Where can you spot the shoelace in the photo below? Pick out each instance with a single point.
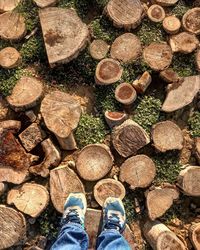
(113, 222)
(72, 216)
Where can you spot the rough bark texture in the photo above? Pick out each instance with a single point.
(45, 3)
(98, 49)
(194, 234)
(125, 93)
(197, 148)
(156, 13)
(169, 75)
(115, 118)
(166, 2)
(8, 5)
(142, 83)
(198, 60)
(171, 24)
(191, 21)
(9, 58)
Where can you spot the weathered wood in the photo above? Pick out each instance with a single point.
(198, 59)
(138, 171)
(94, 162)
(166, 2)
(115, 118)
(142, 83)
(3, 188)
(128, 138)
(191, 21)
(8, 5)
(125, 93)
(68, 143)
(65, 36)
(45, 3)
(197, 148)
(171, 24)
(194, 234)
(13, 125)
(98, 49)
(169, 75)
(156, 13)
(9, 58)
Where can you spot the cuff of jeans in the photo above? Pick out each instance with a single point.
(110, 230)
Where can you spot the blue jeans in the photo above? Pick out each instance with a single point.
(73, 237)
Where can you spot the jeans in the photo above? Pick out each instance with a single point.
(73, 237)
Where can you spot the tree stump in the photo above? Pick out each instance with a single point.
(198, 60)
(156, 13)
(171, 24)
(26, 94)
(138, 171)
(158, 56)
(65, 37)
(166, 2)
(194, 234)
(94, 162)
(183, 42)
(8, 5)
(181, 94)
(45, 3)
(115, 118)
(126, 48)
(160, 200)
(188, 180)
(169, 75)
(197, 148)
(142, 83)
(30, 198)
(12, 26)
(125, 14)
(10, 58)
(125, 93)
(98, 49)
(191, 21)
(108, 71)
(128, 138)
(63, 181)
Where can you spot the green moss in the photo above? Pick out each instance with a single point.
(194, 124)
(180, 8)
(128, 205)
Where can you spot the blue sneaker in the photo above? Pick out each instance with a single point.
(75, 209)
(114, 216)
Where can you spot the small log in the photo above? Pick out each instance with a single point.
(188, 180)
(3, 188)
(194, 234)
(8, 5)
(26, 94)
(98, 49)
(158, 56)
(115, 118)
(108, 71)
(171, 24)
(160, 200)
(13, 125)
(125, 14)
(68, 143)
(191, 21)
(125, 93)
(197, 148)
(198, 59)
(126, 48)
(31, 115)
(108, 188)
(138, 171)
(183, 42)
(142, 83)
(169, 75)
(30, 198)
(63, 181)
(10, 58)
(166, 136)
(12, 26)
(94, 162)
(166, 2)
(129, 137)
(12, 227)
(156, 13)
(45, 3)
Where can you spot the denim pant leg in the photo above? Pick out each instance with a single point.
(71, 237)
(112, 240)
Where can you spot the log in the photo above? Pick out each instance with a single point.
(12, 227)
(128, 138)
(169, 75)
(188, 181)
(126, 48)
(197, 148)
(183, 42)
(194, 234)
(63, 181)
(138, 171)
(198, 59)
(12, 125)
(125, 93)
(31, 115)
(171, 24)
(12, 26)
(65, 37)
(8, 5)
(94, 162)
(10, 58)
(68, 143)
(115, 118)
(45, 3)
(108, 71)
(191, 21)
(108, 188)
(166, 136)
(125, 14)
(166, 2)
(156, 13)
(26, 94)
(158, 56)
(181, 94)
(142, 83)
(3, 188)
(98, 49)
(160, 200)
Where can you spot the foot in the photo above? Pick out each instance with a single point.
(114, 216)
(75, 209)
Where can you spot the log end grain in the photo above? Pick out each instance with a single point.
(125, 93)
(9, 58)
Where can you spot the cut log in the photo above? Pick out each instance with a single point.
(171, 24)
(156, 13)
(197, 148)
(65, 37)
(183, 42)
(26, 94)
(142, 83)
(166, 136)
(188, 180)
(8, 5)
(98, 49)
(45, 3)
(128, 138)
(13, 125)
(160, 200)
(12, 227)
(108, 71)
(3, 188)
(10, 58)
(125, 93)
(158, 56)
(94, 162)
(169, 75)
(52, 159)
(166, 2)
(12, 26)
(108, 188)
(125, 14)
(198, 60)
(126, 48)
(181, 94)
(138, 171)
(115, 118)
(68, 143)
(194, 234)
(31, 115)
(63, 181)
(160, 237)
(191, 21)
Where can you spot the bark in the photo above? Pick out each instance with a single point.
(10, 58)
(45, 3)
(8, 5)
(191, 21)
(197, 148)
(98, 49)
(166, 2)
(198, 59)
(125, 93)
(115, 118)
(194, 234)
(156, 13)
(171, 24)
(142, 83)
(169, 75)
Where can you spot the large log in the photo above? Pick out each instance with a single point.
(9, 58)
(198, 59)
(156, 13)
(45, 3)
(166, 2)
(191, 21)
(115, 118)
(194, 234)
(8, 5)
(197, 148)
(125, 93)
(171, 24)
(98, 49)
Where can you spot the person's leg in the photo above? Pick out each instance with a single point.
(72, 235)
(114, 222)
